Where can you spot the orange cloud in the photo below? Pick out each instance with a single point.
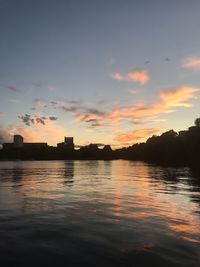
(177, 96)
(134, 136)
(139, 75)
(192, 63)
(169, 99)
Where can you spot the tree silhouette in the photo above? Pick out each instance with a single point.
(182, 148)
(197, 122)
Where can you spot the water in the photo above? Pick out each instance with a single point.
(98, 213)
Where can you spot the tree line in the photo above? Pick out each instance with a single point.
(170, 148)
(182, 148)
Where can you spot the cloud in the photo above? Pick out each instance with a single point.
(139, 75)
(41, 85)
(177, 96)
(13, 88)
(13, 100)
(136, 135)
(28, 120)
(168, 100)
(52, 118)
(72, 109)
(39, 103)
(109, 115)
(38, 84)
(134, 91)
(51, 88)
(94, 111)
(118, 77)
(39, 120)
(192, 63)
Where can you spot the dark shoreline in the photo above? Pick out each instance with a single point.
(172, 149)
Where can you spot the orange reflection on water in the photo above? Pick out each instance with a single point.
(121, 189)
(145, 200)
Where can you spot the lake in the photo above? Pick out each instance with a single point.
(98, 213)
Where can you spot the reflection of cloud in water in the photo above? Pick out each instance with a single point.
(154, 200)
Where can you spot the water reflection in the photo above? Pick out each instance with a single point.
(17, 176)
(69, 173)
(99, 213)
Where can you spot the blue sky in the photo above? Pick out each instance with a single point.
(106, 71)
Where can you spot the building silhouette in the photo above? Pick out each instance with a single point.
(68, 144)
(18, 142)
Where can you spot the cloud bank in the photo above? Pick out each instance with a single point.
(167, 102)
(108, 115)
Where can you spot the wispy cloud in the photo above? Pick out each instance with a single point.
(43, 85)
(136, 135)
(177, 96)
(168, 100)
(38, 84)
(51, 88)
(118, 77)
(13, 88)
(138, 75)
(39, 103)
(192, 63)
(13, 100)
(141, 112)
(29, 119)
(134, 91)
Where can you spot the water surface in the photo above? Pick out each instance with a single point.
(98, 213)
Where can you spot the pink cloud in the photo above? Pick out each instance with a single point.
(118, 77)
(139, 75)
(192, 63)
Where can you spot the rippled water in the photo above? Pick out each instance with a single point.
(98, 213)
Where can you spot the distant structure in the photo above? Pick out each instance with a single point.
(18, 142)
(68, 144)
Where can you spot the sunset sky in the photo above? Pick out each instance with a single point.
(104, 71)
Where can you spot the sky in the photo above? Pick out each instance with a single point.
(103, 71)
